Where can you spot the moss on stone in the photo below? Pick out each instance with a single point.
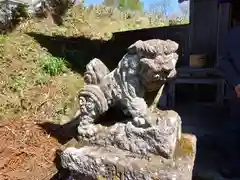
(104, 178)
(186, 146)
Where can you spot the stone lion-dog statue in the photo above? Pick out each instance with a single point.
(146, 67)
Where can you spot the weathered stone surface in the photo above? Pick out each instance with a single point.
(95, 162)
(145, 67)
(159, 139)
(95, 71)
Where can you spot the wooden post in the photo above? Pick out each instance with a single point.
(191, 18)
(223, 27)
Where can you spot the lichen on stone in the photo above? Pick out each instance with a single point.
(186, 146)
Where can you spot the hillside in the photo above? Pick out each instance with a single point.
(37, 86)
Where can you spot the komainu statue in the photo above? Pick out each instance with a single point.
(146, 67)
(149, 144)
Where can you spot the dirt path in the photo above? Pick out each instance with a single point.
(27, 152)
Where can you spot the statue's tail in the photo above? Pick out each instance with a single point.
(95, 71)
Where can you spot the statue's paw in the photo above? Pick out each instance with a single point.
(140, 122)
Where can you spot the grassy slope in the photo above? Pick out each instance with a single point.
(27, 90)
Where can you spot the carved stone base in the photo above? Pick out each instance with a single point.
(95, 162)
(159, 139)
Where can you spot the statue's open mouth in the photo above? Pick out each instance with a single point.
(152, 84)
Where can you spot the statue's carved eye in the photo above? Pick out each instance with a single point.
(82, 100)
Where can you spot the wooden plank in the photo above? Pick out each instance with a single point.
(219, 82)
(198, 80)
(198, 72)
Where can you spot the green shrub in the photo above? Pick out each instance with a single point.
(53, 66)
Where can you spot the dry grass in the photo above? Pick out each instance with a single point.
(26, 89)
(37, 87)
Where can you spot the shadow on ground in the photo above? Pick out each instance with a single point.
(202, 120)
(63, 133)
(79, 51)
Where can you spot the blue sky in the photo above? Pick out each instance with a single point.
(174, 3)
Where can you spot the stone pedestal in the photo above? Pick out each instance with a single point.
(98, 162)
